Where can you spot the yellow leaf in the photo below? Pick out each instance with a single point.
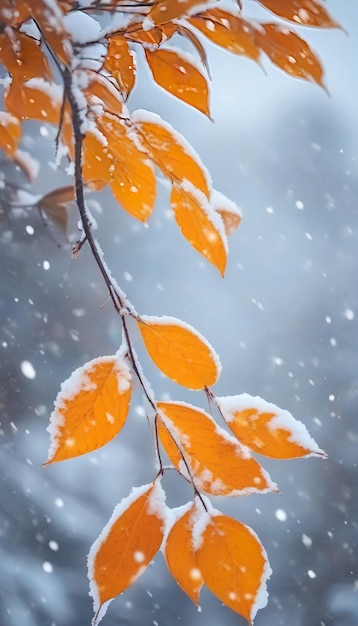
(180, 556)
(120, 63)
(217, 462)
(233, 564)
(10, 132)
(90, 409)
(266, 429)
(229, 212)
(180, 351)
(199, 223)
(303, 12)
(227, 31)
(127, 544)
(167, 10)
(177, 75)
(170, 151)
(290, 53)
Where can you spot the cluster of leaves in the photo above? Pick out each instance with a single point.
(65, 69)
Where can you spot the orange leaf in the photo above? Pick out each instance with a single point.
(180, 351)
(289, 52)
(97, 163)
(200, 225)
(134, 185)
(135, 33)
(229, 212)
(37, 99)
(233, 563)
(170, 151)
(22, 56)
(10, 133)
(168, 10)
(217, 462)
(173, 71)
(227, 31)
(49, 18)
(132, 178)
(126, 545)
(190, 36)
(13, 12)
(304, 12)
(100, 90)
(120, 63)
(266, 429)
(90, 409)
(179, 553)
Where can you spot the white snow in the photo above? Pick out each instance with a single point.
(47, 567)
(156, 504)
(201, 518)
(281, 515)
(81, 27)
(219, 201)
(28, 370)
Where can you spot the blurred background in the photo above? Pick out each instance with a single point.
(284, 321)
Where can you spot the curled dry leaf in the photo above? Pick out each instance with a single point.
(199, 223)
(90, 409)
(303, 12)
(180, 351)
(217, 462)
(233, 563)
(267, 429)
(180, 555)
(56, 204)
(126, 545)
(178, 75)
